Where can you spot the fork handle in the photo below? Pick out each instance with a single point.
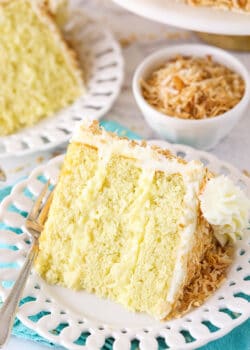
(9, 308)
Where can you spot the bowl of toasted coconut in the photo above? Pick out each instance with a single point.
(192, 94)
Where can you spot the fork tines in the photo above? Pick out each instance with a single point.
(40, 209)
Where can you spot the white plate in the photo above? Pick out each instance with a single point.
(201, 19)
(82, 312)
(101, 58)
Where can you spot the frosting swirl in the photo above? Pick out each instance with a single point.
(226, 208)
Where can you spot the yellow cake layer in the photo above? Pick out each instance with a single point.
(38, 72)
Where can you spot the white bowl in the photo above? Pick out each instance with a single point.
(204, 133)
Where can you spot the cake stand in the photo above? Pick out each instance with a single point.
(227, 29)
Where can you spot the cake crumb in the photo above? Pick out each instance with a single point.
(40, 159)
(55, 154)
(129, 40)
(246, 172)
(3, 176)
(19, 168)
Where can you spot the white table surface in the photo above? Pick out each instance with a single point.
(139, 37)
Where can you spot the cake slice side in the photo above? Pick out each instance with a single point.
(48, 12)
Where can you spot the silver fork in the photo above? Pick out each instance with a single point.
(34, 225)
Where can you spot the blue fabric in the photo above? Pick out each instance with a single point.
(238, 339)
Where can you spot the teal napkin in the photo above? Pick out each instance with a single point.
(238, 339)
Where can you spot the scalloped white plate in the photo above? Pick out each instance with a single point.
(179, 14)
(80, 312)
(101, 58)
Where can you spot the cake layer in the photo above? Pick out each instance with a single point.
(39, 74)
(122, 223)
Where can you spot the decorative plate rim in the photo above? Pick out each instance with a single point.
(147, 340)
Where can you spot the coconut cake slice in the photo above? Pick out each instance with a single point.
(39, 73)
(126, 224)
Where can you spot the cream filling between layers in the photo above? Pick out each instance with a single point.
(193, 173)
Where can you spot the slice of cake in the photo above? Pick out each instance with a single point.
(232, 5)
(125, 223)
(39, 73)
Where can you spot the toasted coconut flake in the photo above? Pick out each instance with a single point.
(193, 88)
(240, 5)
(246, 172)
(209, 276)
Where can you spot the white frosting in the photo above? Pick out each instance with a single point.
(192, 173)
(225, 207)
(189, 222)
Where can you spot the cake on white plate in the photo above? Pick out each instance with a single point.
(132, 223)
(39, 72)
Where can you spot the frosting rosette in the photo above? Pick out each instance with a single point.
(225, 206)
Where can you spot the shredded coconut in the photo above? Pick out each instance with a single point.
(227, 4)
(193, 88)
(209, 276)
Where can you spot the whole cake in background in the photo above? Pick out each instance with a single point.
(132, 223)
(233, 5)
(39, 73)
